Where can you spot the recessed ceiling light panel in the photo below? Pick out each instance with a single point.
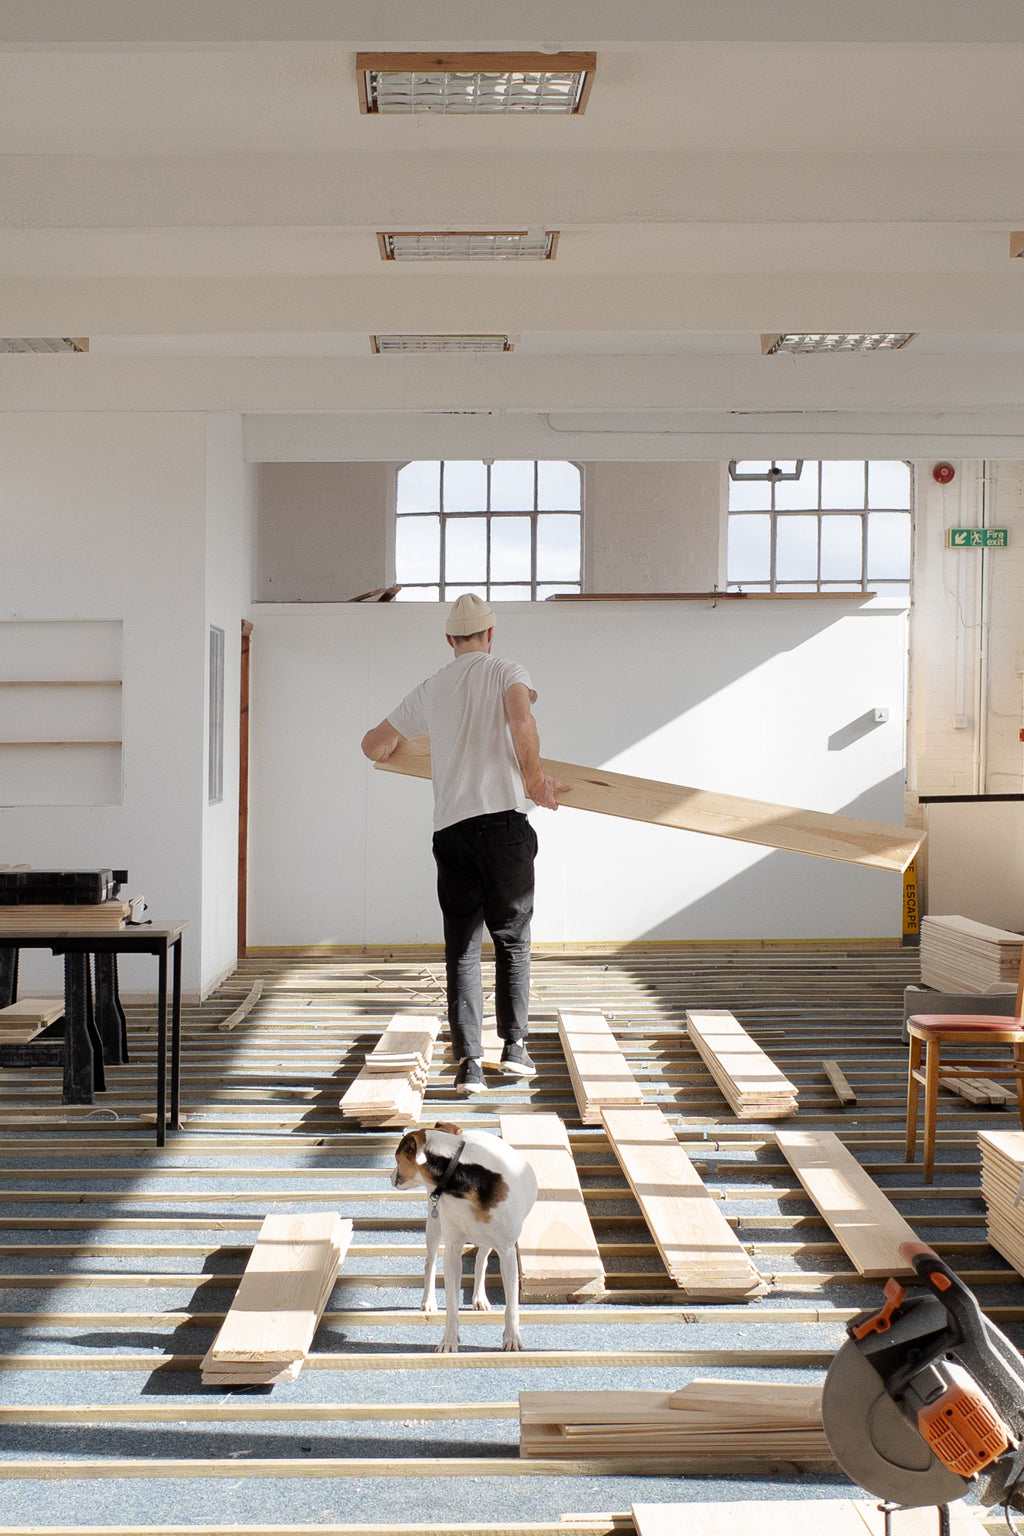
(858, 341)
(44, 344)
(441, 343)
(470, 245)
(475, 84)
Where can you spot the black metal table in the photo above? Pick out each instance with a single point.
(94, 1023)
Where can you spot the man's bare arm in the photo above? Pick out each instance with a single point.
(540, 786)
(380, 743)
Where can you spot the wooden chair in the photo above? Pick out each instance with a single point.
(929, 1032)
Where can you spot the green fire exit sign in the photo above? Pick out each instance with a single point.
(977, 538)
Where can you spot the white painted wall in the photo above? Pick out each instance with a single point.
(230, 514)
(103, 519)
(766, 700)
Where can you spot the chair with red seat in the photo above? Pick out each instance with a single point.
(929, 1032)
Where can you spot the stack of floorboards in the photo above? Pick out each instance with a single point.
(960, 955)
(46, 918)
(1002, 1177)
(751, 1083)
(598, 1070)
(699, 1249)
(20, 1022)
(287, 1283)
(717, 1422)
(390, 1086)
(558, 1254)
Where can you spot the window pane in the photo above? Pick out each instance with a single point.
(510, 549)
(418, 549)
(796, 549)
(796, 586)
(511, 594)
(549, 591)
(895, 592)
(750, 548)
(888, 483)
(465, 549)
(889, 545)
(798, 495)
(512, 485)
(419, 487)
(451, 593)
(465, 485)
(418, 595)
(749, 495)
(558, 487)
(841, 548)
(842, 483)
(558, 546)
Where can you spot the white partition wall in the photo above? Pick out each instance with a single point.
(773, 700)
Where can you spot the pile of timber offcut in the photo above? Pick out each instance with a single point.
(598, 1070)
(700, 1250)
(751, 1083)
(1002, 1183)
(389, 1088)
(718, 1422)
(45, 917)
(558, 1254)
(20, 1022)
(280, 1300)
(960, 955)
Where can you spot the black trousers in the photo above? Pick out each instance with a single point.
(485, 877)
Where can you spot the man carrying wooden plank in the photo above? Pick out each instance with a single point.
(485, 754)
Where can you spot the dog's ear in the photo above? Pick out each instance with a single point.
(447, 1127)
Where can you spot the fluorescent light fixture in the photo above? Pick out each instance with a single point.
(475, 84)
(441, 343)
(1017, 243)
(44, 344)
(469, 245)
(858, 341)
(771, 472)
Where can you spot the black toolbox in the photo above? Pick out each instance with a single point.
(59, 887)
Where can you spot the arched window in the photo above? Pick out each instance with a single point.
(828, 525)
(507, 529)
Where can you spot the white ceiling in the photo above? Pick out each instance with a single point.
(192, 186)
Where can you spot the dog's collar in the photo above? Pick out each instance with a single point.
(445, 1179)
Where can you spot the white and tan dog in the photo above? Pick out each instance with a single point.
(479, 1192)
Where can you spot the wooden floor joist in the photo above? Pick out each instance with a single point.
(699, 1249)
(870, 843)
(558, 1253)
(862, 1218)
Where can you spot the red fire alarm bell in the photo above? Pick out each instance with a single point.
(943, 473)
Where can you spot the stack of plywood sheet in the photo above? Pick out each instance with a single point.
(558, 1254)
(287, 1283)
(868, 1227)
(799, 1517)
(1002, 1182)
(700, 1250)
(598, 1070)
(389, 1088)
(751, 1083)
(960, 955)
(720, 1421)
(20, 1022)
(46, 918)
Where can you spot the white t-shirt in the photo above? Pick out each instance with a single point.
(462, 710)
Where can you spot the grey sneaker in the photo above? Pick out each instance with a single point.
(514, 1060)
(470, 1077)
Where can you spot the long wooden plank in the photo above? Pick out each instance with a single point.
(872, 843)
(796, 1517)
(281, 1295)
(558, 1252)
(599, 1072)
(701, 1251)
(869, 1228)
